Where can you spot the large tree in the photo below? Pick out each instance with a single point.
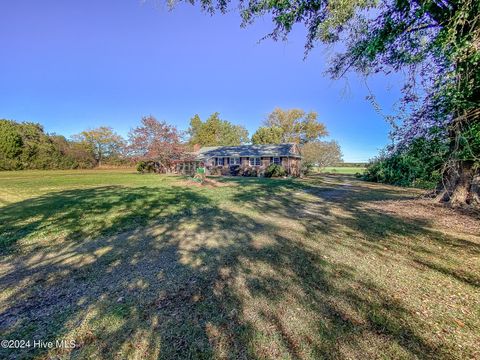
(321, 154)
(102, 142)
(10, 140)
(216, 132)
(268, 135)
(156, 141)
(296, 126)
(435, 42)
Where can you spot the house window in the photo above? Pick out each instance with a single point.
(254, 161)
(220, 161)
(234, 161)
(276, 160)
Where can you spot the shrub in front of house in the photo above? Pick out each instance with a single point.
(145, 166)
(214, 171)
(275, 170)
(225, 171)
(241, 170)
(307, 168)
(235, 170)
(248, 171)
(141, 165)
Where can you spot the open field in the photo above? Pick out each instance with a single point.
(345, 170)
(149, 266)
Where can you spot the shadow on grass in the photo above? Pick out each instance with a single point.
(174, 274)
(378, 230)
(78, 214)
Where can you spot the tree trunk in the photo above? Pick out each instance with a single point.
(460, 184)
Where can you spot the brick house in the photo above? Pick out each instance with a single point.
(235, 160)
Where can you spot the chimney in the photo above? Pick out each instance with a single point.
(196, 147)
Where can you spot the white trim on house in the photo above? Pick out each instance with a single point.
(256, 160)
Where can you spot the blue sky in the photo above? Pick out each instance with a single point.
(72, 65)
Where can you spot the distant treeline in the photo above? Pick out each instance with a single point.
(27, 146)
(351, 164)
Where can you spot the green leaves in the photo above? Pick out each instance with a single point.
(419, 165)
(268, 135)
(26, 146)
(216, 132)
(10, 140)
(102, 142)
(297, 126)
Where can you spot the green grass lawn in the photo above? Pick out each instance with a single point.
(345, 170)
(149, 266)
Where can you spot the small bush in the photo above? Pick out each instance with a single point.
(145, 166)
(275, 170)
(225, 171)
(141, 165)
(248, 171)
(150, 166)
(307, 168)
(235, 170)
(214, 171)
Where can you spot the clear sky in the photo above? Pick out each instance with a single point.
(72, 65)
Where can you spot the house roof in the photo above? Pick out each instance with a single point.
(247, 150)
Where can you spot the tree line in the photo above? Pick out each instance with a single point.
(27, 146)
